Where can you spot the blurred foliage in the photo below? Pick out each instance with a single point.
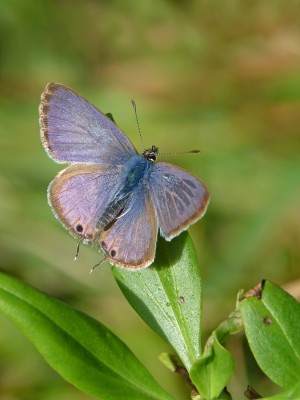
(219, 76)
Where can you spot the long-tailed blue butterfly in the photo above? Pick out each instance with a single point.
(110, 195)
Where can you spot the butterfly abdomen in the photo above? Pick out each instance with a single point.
(112, 212)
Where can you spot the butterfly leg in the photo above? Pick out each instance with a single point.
(97, 265)
(78, 248)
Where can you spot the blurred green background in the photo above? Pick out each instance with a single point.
(220, 76)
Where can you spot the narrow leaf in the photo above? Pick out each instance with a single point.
(212, 372)
(272, 325)
(81, 349)
(167, 296)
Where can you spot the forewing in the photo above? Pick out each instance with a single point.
(180, 198)
(131, 240)
(73, 130)
(80, 194)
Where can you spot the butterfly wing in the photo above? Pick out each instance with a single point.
(80, 194)
(180, 198)
(73, 130)
(131, 240)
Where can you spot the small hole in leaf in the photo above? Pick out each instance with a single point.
(267, 321)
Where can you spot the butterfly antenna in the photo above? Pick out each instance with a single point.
(181, 152)
(137, 121)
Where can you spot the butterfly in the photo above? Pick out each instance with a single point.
(110, 195)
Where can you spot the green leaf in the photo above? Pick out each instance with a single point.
(272, 325)
(81, 349)
(170, 361)
(167, 296)
(212, 372)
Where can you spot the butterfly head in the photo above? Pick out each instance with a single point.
(151, 154)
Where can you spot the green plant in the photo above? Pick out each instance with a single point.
(167, 296)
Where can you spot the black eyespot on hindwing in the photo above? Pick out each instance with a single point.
(113, 253)
(79, 228)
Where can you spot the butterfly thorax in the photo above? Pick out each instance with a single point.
(151, 154)
(134, 172)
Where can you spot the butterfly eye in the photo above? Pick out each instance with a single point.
(79, 228)
(151, 154)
